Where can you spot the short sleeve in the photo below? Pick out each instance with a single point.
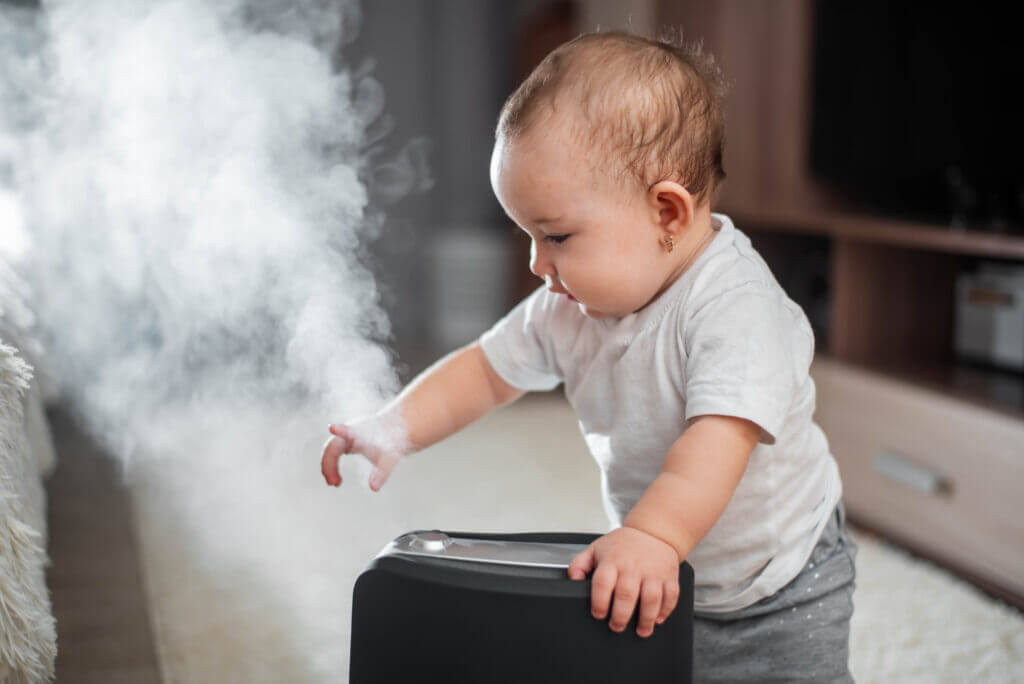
(519, 346)
(740, 359)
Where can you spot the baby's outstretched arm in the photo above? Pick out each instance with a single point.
(448, 396)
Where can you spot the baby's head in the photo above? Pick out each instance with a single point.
(609, 155)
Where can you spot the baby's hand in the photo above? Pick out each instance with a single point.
(634, 565)
(347, 440)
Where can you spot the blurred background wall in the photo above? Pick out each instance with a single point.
(445, 68)
(448, 261)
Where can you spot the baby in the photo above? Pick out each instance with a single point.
(683, 358)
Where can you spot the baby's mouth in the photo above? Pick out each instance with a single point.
(564, 292)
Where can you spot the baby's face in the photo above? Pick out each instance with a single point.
(597, 244)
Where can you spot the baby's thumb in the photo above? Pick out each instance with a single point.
(384, 464)
(582, 564)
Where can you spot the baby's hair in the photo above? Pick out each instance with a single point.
(653, 108)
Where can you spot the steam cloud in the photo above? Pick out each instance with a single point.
(183, 185)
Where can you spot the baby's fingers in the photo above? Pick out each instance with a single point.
(650, 605)
(582, 564)
(341, 431)
(668, 601)
(602, 584)
(333, 449)
(627, 591)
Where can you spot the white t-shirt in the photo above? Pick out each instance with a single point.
(723, 339)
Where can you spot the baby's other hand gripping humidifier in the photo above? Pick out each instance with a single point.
(439, 606)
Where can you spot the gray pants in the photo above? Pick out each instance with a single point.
(800, 634)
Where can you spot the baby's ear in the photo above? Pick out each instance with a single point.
(672, 204)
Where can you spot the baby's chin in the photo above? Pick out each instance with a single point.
(592, 313)
(597, 314)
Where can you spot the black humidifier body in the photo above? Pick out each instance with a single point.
(439, 606)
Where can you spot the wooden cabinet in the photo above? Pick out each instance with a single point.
(930, 449)
(934, 471)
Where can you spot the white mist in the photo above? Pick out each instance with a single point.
(181, 184)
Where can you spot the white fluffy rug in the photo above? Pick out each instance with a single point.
(914, 622)
(264, 615)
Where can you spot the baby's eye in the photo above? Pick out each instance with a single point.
(557, 239)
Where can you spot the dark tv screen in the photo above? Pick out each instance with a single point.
(917, 110)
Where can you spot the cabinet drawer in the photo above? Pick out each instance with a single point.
(943, 473)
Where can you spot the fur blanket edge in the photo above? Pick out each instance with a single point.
(28, 637)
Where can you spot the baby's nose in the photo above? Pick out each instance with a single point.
(539, 266)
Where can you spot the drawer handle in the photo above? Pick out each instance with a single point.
(914, 475)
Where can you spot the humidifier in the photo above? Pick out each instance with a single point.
(437, 606)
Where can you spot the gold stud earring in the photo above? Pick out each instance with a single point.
(668, 242)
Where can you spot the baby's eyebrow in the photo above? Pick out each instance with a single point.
(539, 221)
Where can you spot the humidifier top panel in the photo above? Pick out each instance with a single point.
(441, 546)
